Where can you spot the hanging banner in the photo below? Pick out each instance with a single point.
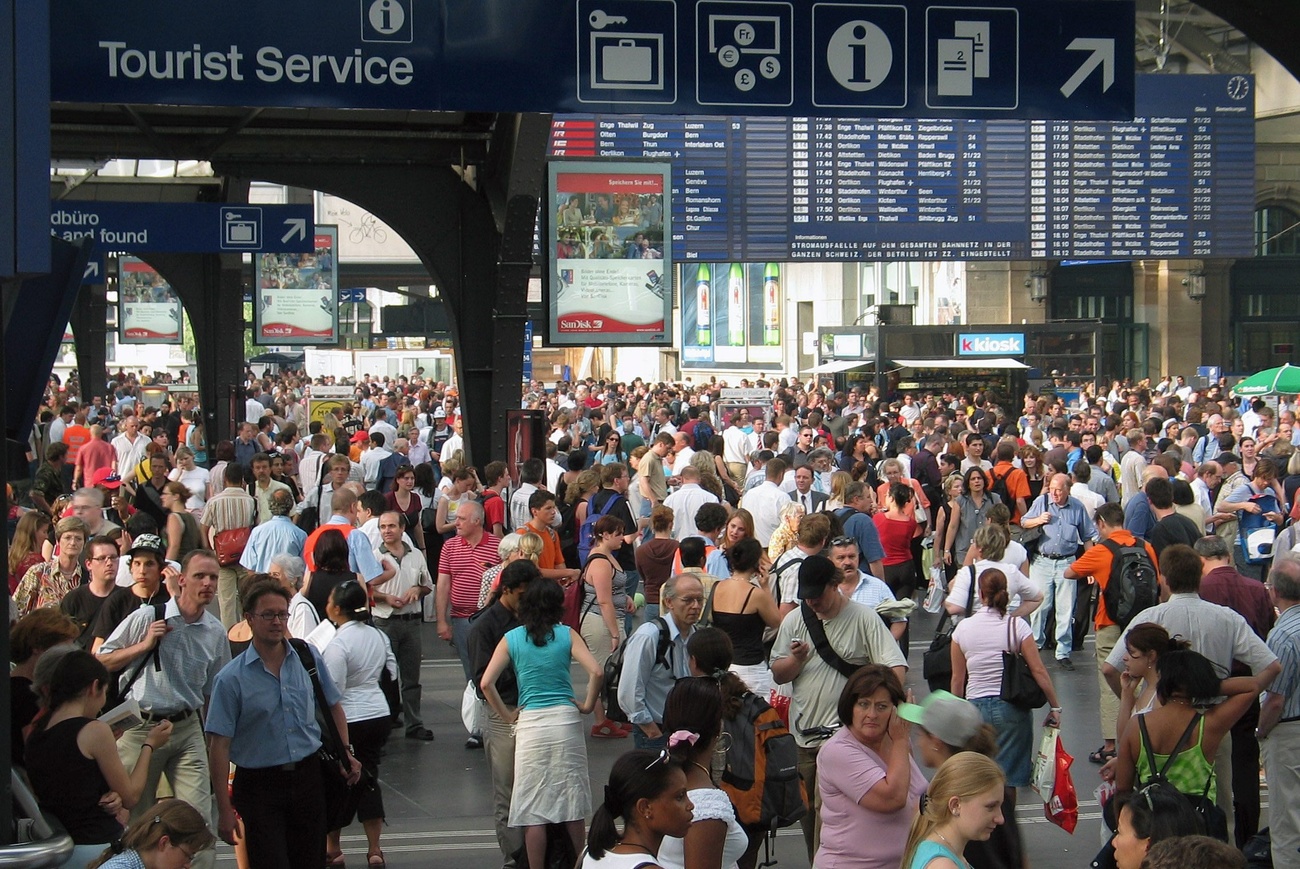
(296, 301)
(149, 311)
(609, 277)
(731, 315)
(324, 400)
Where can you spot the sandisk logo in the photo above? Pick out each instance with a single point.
(984, 345)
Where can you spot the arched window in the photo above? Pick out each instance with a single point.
(1277, 231)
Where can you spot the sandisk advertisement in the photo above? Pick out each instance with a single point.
(609, 270)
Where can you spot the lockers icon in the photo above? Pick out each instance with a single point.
(627, 61)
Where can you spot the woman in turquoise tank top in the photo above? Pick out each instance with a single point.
(551, 777)
(963, 805)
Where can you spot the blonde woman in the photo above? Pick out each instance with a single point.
(182, 532)
(839, 482)
(786, 531)
(964, 806)
(513, 547)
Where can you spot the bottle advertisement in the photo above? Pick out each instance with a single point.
(732, 317)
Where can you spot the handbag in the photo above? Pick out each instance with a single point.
(936, 663)
(1019, 688)
(229, 545)
(340, 797)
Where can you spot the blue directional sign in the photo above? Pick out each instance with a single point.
(184, 227)
(1042, 59)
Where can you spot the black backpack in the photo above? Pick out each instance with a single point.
(999, 488)
(1133, 583)
(776, 577)
(614, 671)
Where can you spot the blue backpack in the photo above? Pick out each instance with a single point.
(585, 531)
(1255, 533)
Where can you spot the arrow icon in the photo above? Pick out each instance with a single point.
(298, 226)
(92, 270)
(1103, 55)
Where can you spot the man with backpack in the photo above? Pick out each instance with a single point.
(652, 659)
(818, 646)
(1098, 565)
(611, 499)
(1220, 634)
(1009, 482)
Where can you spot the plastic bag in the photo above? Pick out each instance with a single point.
(1063, 808)
(470, 711)
(1044, 777)
(781, 703)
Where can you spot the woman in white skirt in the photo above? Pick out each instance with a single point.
(552, 785)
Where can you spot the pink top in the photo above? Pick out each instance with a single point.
(983, 638)
(846, 770)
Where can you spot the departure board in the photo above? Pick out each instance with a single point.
(1177, 181)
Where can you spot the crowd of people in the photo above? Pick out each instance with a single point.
(698, 561)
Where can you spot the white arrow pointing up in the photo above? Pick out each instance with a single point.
(1103, 55)
(297, 226)
(92, 270)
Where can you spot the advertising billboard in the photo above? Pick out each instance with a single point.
(296, 301)
(732, 315)
(609, 274)
(149, 311)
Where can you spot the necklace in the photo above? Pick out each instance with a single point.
(950, 847)
(642, 848)
(708, 772)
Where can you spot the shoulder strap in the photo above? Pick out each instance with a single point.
(663, 646)
(707, 615)
(1178, 746)
(309, 664)
(817, 631)
(155, 655)
(745, 603)
(970, 594)
(609, 504)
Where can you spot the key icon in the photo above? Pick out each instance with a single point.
(599, 20)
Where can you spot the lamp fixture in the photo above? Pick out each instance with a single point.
(1037, 284)
(1195, 283)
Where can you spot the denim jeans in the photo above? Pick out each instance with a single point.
(1059, 594)
(1015, 729)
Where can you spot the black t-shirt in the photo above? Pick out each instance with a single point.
(83, 607)
(1174, 528)
(120, 604)
(625, 554)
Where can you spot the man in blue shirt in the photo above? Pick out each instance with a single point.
(262, 716)
(275, 536)
(1066, 526)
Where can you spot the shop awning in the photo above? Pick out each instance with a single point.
(1009, 364)
(839, 365)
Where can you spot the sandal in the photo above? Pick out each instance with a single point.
(372, 857)
(1101, 755)
(335, 861)
(608, 730)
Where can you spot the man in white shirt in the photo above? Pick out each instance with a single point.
(454, 443)
(735, 445)
(311, 466)
(130, 447)
(682, 452)
(371, 458)
(1207, 477)
(1080, 490)
(764, 501)
(253, 409)
(379, 423)
(1131, 466)
(685, 501)
(398, 613)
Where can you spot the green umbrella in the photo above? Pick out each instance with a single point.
(1274, 381)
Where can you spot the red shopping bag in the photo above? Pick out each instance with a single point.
(1063, 807)
(781, 703)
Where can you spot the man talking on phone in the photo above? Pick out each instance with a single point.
(817, 647)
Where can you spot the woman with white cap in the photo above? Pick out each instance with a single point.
(947, 725)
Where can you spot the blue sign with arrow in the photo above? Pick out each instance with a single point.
(1043, 59)
(184, 227)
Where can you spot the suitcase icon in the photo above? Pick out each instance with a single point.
(627, 62)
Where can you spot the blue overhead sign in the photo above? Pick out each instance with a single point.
(1046, 59)
(185, 227)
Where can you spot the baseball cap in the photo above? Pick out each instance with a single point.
(107, 478)
(1227, 458)
(815, 573)
(438, 412)
(148, 543)
(360, 437)
(952, 720)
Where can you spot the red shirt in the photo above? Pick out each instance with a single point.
(494, 510)
(465, 565)
(895, 537)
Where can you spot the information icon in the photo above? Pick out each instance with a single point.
(859, 55)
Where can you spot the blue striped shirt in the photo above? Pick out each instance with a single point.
(1284, 641)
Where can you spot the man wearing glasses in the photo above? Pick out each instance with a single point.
(656, 657)
(84, 602)
(263, 717)
(172, 663)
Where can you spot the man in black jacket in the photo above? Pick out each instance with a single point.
(485, 632)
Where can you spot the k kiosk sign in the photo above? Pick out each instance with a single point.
(991, 344)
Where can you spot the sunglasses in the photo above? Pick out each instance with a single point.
(844, 541)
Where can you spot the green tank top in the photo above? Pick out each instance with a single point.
(1191, 773)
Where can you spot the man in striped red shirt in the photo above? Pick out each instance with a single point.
(460, 576)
